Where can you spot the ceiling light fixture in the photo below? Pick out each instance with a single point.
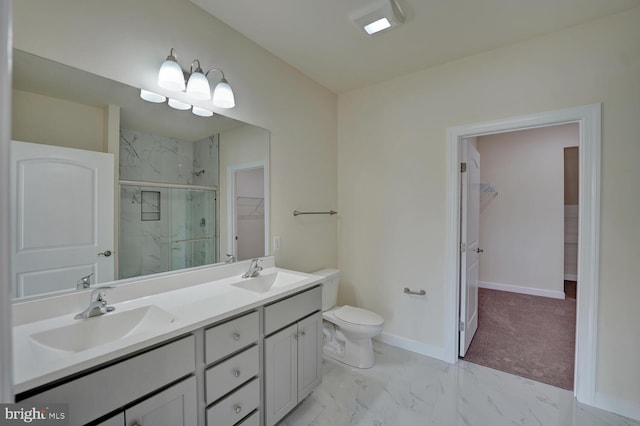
(172, 77)
(377, 17)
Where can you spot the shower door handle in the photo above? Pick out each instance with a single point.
(105, 253)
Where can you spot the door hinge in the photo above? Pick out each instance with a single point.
(463, 247)
(460, 325)
(463, 167)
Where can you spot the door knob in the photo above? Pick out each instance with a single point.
(105, 253)
(479, 250)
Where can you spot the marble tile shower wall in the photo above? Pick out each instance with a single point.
(143, 246)
(205, 157)
(151, 246)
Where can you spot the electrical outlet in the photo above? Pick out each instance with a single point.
(276, 243)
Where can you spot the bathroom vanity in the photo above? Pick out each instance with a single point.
(230, 351)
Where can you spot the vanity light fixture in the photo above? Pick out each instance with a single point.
(195, 82)
(198, 85)
(176, 104)
(170, 76)
(378, 16)
(222, 94)
(201, 112)
(152, 97)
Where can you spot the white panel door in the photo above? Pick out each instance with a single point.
(469, 246)
(61, 217)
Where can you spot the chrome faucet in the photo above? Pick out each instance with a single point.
(97, 304)
(254, 269)
(84, 282)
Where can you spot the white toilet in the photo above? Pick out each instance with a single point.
(347, 330)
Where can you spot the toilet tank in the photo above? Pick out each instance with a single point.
(330, 287)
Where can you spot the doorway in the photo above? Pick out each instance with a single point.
(525, 326)
(247, 212)
(588, 119)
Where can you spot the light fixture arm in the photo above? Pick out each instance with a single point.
(198, 68)
(215, 69)
(172, 56)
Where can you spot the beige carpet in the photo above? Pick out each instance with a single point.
(529, 336)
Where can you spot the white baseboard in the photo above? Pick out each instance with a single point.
(616, 405)
(570, 277)
(412, 345)
(523, 290)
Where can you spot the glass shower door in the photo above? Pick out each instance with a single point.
(165, 229)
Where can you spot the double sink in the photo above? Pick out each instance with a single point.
(84, 334)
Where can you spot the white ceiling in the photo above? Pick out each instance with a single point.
(317, 37)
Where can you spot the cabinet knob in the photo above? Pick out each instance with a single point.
(236, 336)
(236, 372)
(237, 408)
(135, 424)
(302, 333)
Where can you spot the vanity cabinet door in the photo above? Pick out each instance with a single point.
(175, 406)
(309, 354)
(281, 373)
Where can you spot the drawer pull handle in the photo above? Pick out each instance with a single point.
(237, 408)
(236, 336)
(236, 372)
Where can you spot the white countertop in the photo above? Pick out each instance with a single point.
(191, 307)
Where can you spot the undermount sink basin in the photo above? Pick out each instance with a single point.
(95, 331)
(265, 282)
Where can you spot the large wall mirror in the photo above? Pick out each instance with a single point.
(106, 186)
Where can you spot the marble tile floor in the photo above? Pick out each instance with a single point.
(408, 389)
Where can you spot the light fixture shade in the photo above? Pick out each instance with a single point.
(377, 26)
(198, 86)
(201, 111)
(223, 95)
(378, 16)
(170, 76)
(152, 97)
(176, 104)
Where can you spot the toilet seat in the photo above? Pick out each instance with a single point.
(358, 316)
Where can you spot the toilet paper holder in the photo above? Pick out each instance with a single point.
(416, 293)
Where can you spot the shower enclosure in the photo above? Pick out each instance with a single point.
(168, 203)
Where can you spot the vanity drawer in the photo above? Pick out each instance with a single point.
(230, 336)
(290, 310)
(110, 388)
(224, 377)
(236, 406)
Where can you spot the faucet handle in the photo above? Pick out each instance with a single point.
(99, 293)
(84, 282)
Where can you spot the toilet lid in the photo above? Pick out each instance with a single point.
(358, 316)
